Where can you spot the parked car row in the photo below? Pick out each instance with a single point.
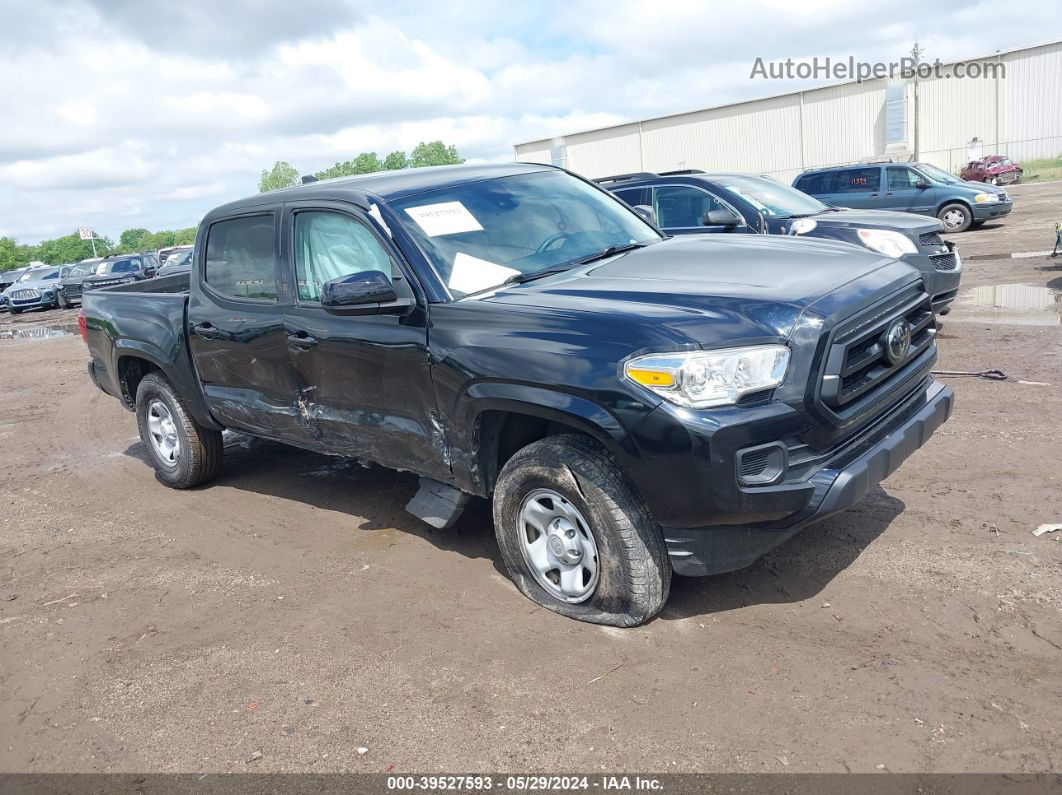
(61, 286)
(693, 202)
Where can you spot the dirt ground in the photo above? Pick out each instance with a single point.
(292, 617)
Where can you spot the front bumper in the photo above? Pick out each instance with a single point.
(941, 270)
(841, 483)
(984, 212)
(46, 300)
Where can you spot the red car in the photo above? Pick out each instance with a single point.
(997, 169)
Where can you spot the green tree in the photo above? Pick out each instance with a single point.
(434, 153)
(281, 175)
(157, 240)
(185, 237)
(9, 254)
(70, 248)
(395, 161)
(130, 239)
(365, 163)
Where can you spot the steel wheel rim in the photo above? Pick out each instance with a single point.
(162, 431)
(953, 219)
(558, 546)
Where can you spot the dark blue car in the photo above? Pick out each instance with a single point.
(692, 202)
(908, 187)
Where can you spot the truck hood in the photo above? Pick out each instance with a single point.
(37, 284)
(714, 290)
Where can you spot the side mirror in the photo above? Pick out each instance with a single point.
(720, 218)
(646, 212)
(922, 184)
(366, 293)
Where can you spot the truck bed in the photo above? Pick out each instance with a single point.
(177, 283)
(144, 320)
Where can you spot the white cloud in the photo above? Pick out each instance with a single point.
(147, 113)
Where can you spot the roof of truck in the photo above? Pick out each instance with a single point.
(388, 185)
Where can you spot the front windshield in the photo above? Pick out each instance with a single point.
(178, 259)
(39, 276)
(480, 234)
(771, 198)
(83, 269)
(937, 174)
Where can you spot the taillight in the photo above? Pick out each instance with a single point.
(82, 325)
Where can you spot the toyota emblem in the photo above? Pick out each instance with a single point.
(898, 341)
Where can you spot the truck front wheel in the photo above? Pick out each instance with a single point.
(576, 537)
(183, 452)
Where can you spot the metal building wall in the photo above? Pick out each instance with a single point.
(1032, 102)
(1019, 115)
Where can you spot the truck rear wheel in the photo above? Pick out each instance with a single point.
(183, 452)
(576, 537)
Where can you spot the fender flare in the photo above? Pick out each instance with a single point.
(552, 405)
(188, 388)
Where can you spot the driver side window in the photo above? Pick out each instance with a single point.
(681, 206)
(330, 245)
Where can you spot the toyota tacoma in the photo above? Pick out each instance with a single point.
(632, 405)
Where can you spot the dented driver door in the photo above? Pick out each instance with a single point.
(365, 385)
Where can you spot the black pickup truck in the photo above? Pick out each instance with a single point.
(633, 405)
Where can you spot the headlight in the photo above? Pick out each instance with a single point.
(891, 244)
(986, 198)
(699, 379)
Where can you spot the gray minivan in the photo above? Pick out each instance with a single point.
(907, 187)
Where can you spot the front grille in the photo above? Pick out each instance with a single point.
(944, 262)
(105, 283)
(930, 239)
(860, 365)
(25, 295)
(71, 290)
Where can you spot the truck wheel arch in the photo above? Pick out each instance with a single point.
(503, 426)
(131, 370)
(132, 364)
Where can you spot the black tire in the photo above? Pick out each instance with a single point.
(967, 217)
(201, 448)
(634, 573)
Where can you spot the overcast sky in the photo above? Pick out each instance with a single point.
(123, 113)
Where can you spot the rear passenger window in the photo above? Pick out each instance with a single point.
(816, 184)
(858, 180)
(241, 258)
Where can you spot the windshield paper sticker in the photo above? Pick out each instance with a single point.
(446, 218)
(470, 273)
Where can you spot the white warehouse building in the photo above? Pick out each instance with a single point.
(1016, 111)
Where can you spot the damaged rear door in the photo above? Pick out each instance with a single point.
(364, 381)
(236, 328)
